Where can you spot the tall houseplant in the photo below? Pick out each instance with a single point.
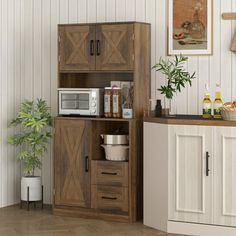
(177, 78)
(34, 119)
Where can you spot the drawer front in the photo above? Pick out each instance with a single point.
(114, 199)
(110, 173)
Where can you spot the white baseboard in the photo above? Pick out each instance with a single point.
(200, 229)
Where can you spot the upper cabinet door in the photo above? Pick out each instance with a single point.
(72, 176)
(225, 176)
(114, 47)
(190, 183)
(77, 48)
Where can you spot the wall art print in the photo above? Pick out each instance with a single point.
(190, 27)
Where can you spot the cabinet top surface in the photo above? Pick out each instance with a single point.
(107, 23)
(189, 120)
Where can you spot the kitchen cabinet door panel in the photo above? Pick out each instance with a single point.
(190, 187)
(225, 176)
(114, 47)
(77, 48)
(72, 179)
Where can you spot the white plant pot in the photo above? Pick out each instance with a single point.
(35, 188)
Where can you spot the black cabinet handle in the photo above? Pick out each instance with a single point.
(86, 164)
(207, 163)
(109, 198)
(98, 48)
(91, 47)
(108, 173)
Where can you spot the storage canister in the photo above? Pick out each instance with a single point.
(117, 103)
(108, 102)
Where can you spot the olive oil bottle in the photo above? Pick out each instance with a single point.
(207, 105)
(217, 103)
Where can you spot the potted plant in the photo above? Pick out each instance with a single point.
(177, 78)
(34, 119)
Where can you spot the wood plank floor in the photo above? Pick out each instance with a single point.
(36, 222)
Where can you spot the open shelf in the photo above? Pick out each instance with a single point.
(102, 127)
(92, 80)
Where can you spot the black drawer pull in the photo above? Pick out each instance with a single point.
(108, 173)
(98, 48)
(91, 47)
(109, 198)
(207, 163)
(86, 164)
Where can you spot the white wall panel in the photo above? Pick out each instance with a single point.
(92, 10)
(120, 10)
(226, 55)
(130, 9)
(28, 62)
(4, 94)
(110, 10)
(101, 11)
(73, 11)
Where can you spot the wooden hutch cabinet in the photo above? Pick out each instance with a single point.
(104, 47)
(85, 184)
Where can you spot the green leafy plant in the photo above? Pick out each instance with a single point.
(176, 75)
(34, 119)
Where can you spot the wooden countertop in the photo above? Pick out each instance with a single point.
(189, 120)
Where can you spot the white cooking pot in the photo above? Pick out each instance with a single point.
(116, 152)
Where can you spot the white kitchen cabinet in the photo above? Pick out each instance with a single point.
(190, 183)
(225, 176)
(190, 178)
(155, 186)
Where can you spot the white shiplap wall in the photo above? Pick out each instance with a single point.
(28, 62)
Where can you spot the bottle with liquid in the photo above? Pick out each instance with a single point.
(217, 103)
(207, 105)
(158, 109)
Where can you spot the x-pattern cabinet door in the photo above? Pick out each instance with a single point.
(191, 173)
(71, 177)
(76, 47)
(114, 47)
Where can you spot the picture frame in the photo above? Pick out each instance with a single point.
(190, 27)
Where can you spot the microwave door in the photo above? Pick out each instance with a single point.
(83, 103)
(68, 103)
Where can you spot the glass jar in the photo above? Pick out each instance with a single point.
(197, 28)
(108, 102)
(170, 106)
(116, 103)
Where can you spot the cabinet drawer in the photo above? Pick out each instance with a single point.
(110, 173)
(110, 198)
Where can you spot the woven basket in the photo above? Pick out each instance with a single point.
(228, 113)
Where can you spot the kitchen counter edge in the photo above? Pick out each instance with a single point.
(189, 120)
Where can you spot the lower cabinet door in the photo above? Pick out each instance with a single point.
(190, 172)
(71, 163)
(225, 176)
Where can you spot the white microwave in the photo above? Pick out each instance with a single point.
(80, 101)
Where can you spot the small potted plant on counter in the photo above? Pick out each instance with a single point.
(177, 78)
(34, 119)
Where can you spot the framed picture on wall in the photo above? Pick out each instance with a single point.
(190, 27)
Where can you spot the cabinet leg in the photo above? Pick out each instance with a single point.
(42, 197)
(28, 198)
